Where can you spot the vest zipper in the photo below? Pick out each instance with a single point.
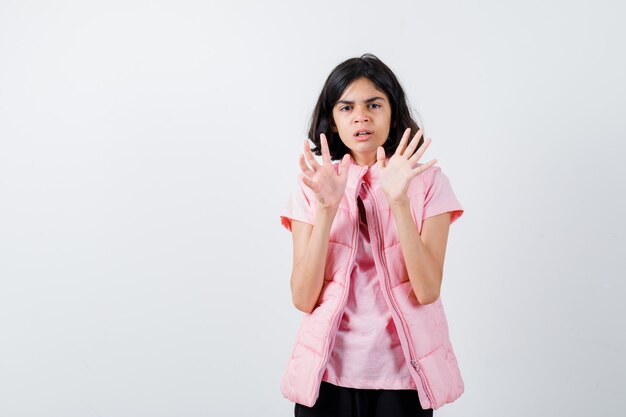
(387, 287)
(346, 291)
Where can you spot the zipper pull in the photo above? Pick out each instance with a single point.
(415, 364)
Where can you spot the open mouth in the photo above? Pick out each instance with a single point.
(362, 134)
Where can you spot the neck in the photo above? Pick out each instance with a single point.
(358, 160)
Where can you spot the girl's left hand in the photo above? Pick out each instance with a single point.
(398, 173)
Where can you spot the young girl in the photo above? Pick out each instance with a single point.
(369, 239)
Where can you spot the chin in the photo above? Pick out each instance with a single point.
(363, 146)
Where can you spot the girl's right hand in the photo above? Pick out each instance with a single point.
(328, 187)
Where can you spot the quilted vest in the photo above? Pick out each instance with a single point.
(422, 329)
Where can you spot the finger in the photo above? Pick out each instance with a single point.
(309, 183)
(413, 145)
(304, 167)
(402, 143)
(422, 168)
(325, 151)
(380, 156)
(345, 165)
(420, 151)
(308, 155)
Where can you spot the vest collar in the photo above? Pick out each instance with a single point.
(357, 172)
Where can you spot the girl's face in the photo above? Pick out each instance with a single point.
(362, 117)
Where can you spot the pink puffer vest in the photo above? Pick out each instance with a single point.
(422, 329)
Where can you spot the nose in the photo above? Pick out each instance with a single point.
(360, 115)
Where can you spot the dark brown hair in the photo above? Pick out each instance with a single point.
(372, 68)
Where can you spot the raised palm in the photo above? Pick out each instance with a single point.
(328, 186)
(400, 170)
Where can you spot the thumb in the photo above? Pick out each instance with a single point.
(380, 156)
(345, 165)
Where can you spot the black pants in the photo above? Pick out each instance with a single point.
(337, 401)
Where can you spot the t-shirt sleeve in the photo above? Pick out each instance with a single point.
(298, 206)
(440, 197)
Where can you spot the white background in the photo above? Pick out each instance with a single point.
(147, 147)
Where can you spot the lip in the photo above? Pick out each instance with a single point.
(362, 138)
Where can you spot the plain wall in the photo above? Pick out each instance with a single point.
(147, 147)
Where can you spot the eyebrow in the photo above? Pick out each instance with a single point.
(369, 100)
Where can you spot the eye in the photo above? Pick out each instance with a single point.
(375, 104)
(344, 108)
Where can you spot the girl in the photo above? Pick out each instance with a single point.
(369, 239)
